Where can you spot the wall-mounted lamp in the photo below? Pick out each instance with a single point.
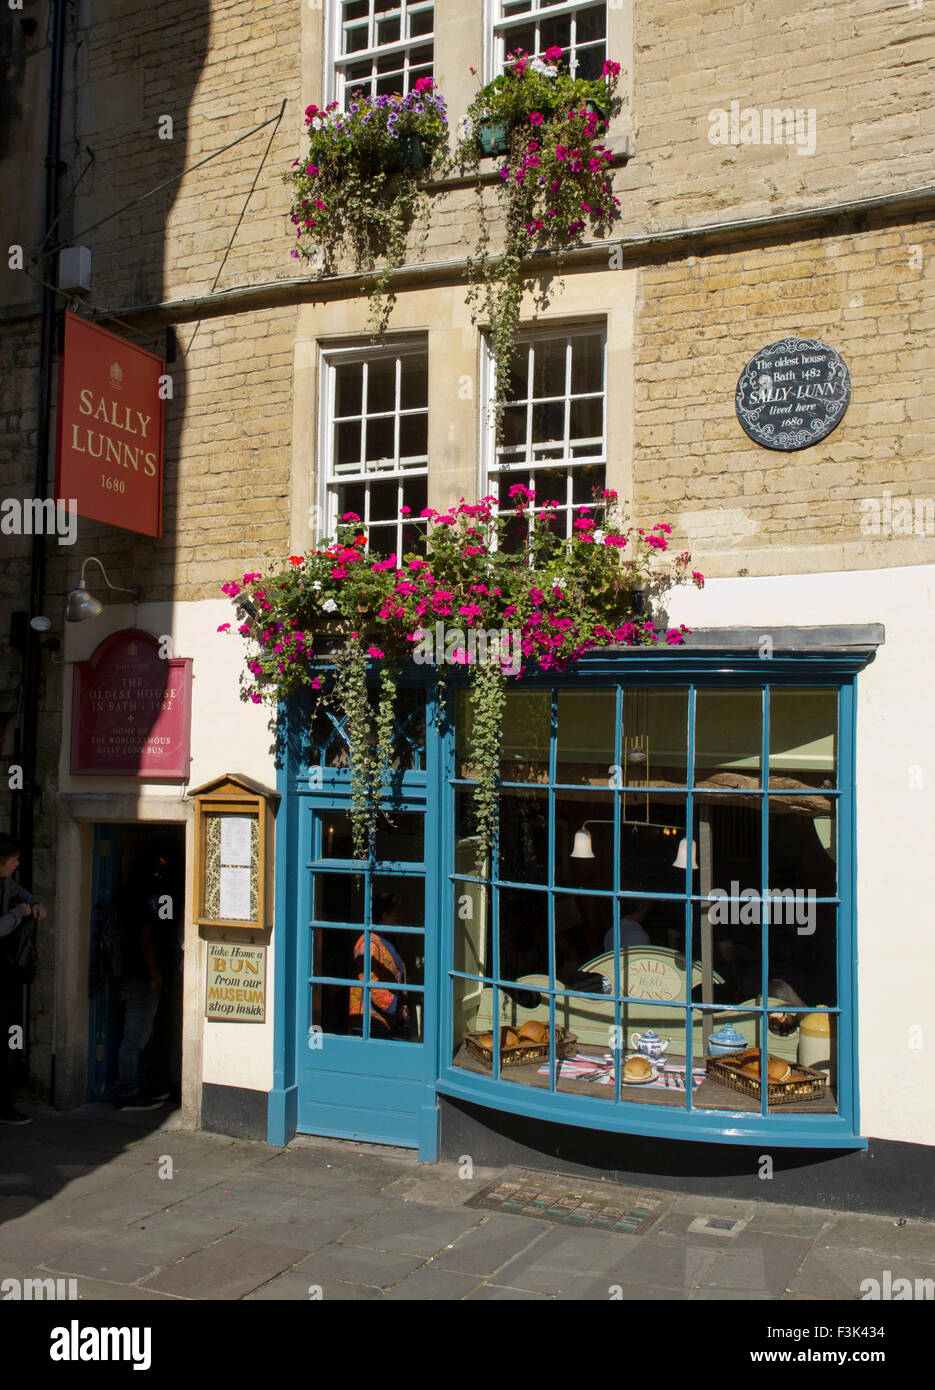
(245, 605)
(82, 605)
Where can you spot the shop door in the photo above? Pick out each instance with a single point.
(119, 853)
(363, 1069)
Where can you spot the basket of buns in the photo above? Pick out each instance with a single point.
(530, 1043)
(786, 1082)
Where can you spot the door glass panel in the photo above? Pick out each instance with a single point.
(398, 901)
(339, 898)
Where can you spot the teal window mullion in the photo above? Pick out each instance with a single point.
(689, 943)
(550, 876)
(764, 925)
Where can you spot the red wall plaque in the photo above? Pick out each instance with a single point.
(110, 429)
(131, 711)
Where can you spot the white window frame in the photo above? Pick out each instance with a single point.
(499, 478)
(498, 28)
(336, 81)
(377, 471)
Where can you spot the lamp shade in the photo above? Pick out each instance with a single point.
(81, 605)
(682, 854)
(582, 848)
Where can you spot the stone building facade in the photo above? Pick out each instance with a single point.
(726, 241)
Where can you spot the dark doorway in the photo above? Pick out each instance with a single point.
(133, 862)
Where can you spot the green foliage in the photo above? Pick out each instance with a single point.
(356, 192)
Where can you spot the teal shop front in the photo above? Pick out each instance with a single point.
(635, 793)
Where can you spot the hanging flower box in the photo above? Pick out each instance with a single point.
(339, 615)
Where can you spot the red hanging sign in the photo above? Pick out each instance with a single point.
(110, 429)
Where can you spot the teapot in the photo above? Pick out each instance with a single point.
(649, 1043)
(724, 1040)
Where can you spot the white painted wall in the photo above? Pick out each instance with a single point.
(228, 736)
(895, 819)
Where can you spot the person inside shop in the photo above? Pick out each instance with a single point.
(389, 1013)
(139, 980)
(20, 912)
(632, 931)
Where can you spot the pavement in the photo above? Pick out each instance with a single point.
(131, 1206)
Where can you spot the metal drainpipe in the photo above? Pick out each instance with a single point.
(24, 829)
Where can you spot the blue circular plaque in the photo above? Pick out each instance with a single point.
(792, 394)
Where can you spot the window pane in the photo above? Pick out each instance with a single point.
(727, 832)
(413, 436)
(587, 364)
(586, 720)
(651, 830)
(555, 31)
(548, 422)
(524, 934)
(524, 836)
(803, 844)
(339, 897)
(519, 373)
(355, 9)
(415, 494)
(381, 540)
(355, 39)
(351, 498)
(380, 440)
(590, 24)
(525, 734)
(549, 367)
(384, 505)
(587, 420)
(654, 739)
(584, 839)
(588, 484)
(399, 839)
(414, 385)
(347, 443)
(381, 385)
(399, 900)
(728, 737)
(420, 23)
(802, 737)
(388, 31)
(347, 381)
(514, 426)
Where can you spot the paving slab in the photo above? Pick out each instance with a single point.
(663, 1265)
(489, 1245)
(758, 1263)
(101, 1262)
(309, 1233)
(831, 1272)
(154, 1243)
(808, 1222)
(881, 1234)
(100, 1289)
(551, 1264)
(674, 1228)
(490, 1293)
(353, 1172)
(446, 1189)
(413, 1230)
(352, 1265)
(429, 1284)
(230, 1268)
(239, 1199)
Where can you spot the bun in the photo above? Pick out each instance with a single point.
(508, 1038)
(637, 1069)
(777, 1069)
(533, 1031)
